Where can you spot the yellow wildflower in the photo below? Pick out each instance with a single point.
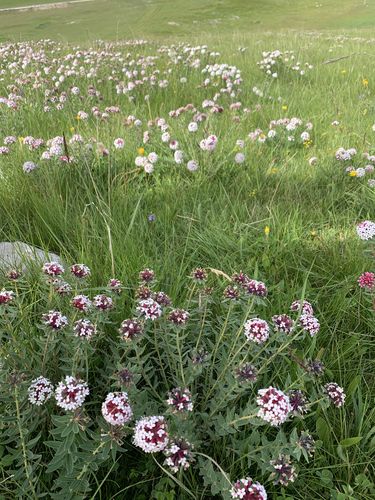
(141, 151)
(353, 173)
(267, 230)
(365, 82)
(284, 107)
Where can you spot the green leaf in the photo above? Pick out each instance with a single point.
(350, 441)
(323, 430)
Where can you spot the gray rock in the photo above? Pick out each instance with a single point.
(17, 255)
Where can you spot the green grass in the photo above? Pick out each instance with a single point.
(117, 19)
(216, 218)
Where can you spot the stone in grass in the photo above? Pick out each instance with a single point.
(18, 255)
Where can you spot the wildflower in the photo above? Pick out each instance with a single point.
(141, 151)
(298, 401)
(365, 82)
(55, 320)
(239, 158)
(209, 144)
(81, 302)
(274, 406)
(254, 287)
(71, 393)
(335, 393)
(149, 309)
(151, 217)
(179, 455)
(267, 230)
(283, 470)
(115, 409)
(310, 324)
(246, 489)
(192, 165)
(40, 390)
(283, 323)
(162, 299)
(246, 373)
(61, 287)
(102, 302)
(178, 317)
(151, 434)
(193, 127)
(199, 274)
(199, 357)
(367, 280)
(306, 442)
(152, 158)
(119, 143)
(178, 157)
(180, 400)
(315, 367)
(125, 377)
(147, 275)
(53, 269)
(140, 161)
(130, 329)
(240, 278)
(13, 274)
(313, 161)
(80, 270)
(143, 292)
(115, 285)
(231, 293)
(257, 330)
(84, 328)
(29, 166)
(303, 307)
(6, 296)
(366, 230)
(284, 107)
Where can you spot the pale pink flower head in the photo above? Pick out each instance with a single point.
(335, 393)
(274, 406)
(151, 434)
(116, 409)
(246, 489)
(40, 391)
(257, 330)
(366, 230)
(71, 393)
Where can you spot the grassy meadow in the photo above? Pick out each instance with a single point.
(277, 216)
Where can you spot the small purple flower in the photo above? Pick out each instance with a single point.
(335, 393)
(283, 323)
(310, 324)
(180, 400)
(283, 470)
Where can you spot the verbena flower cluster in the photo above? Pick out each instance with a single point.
(359, 166)
(116, 409)
(274, 63)
(71, 393)
(158, 415)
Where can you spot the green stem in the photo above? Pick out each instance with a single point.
(180, 356)
(23, 445)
